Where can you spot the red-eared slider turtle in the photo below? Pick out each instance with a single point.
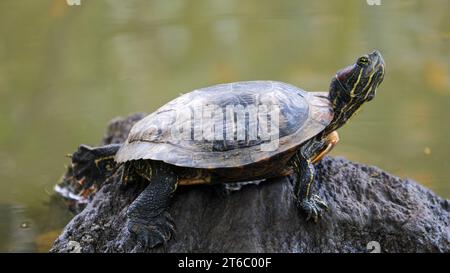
(240, 131)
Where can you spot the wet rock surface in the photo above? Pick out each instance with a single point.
(369, 208)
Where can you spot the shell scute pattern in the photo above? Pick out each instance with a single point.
(301, 116)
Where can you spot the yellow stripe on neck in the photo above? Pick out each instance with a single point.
(352, 92)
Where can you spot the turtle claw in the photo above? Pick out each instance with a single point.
(150, 233)
(319, 201)
(313, 207)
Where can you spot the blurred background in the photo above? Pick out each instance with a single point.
(65, 71)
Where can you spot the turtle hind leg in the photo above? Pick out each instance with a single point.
(312, 205)
(91, 164)
(148, 218)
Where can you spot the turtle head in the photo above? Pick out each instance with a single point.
(354, 85)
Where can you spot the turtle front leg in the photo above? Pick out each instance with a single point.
(310, 204)
(148, 218)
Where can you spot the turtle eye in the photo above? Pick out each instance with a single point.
(363, 60)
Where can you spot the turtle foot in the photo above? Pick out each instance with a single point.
(93, 163)
(150, 233)
(83, 162)
(313, 207)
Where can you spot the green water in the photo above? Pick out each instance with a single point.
(65, 71)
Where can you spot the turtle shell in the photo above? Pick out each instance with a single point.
(176, 135)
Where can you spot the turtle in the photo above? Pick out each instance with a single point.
(232, 132)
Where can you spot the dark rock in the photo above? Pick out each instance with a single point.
(118, 128)
(367, 207)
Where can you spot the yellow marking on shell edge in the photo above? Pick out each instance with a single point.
(194, 181)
